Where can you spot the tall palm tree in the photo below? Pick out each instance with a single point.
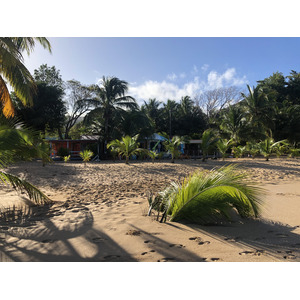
(126, 147)
(259, 108)
(233, 122)
(109, 98)
(14, 72)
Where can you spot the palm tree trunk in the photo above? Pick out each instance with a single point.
(127, 160)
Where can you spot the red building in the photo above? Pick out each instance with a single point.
(74, 146)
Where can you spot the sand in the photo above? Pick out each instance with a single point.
(100, 215)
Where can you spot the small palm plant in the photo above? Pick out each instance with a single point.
(294, 152)
(209, 141)
(268, 146)
(86, 155)
(126, 147)
(67, 158)
(172, 146)
(239, 151)
(252, 148)
(206, 197)
(152, 155)
(223, 145)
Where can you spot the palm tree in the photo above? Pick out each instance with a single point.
(19, 143)
(86, 155)
(233, 122)
(126, 147)
(259, 108)
(206, 197)
(209, 141)
(109, 98)
(252, 148)
(14, 72)
(268, 146)
(152, 155)
(172, 146)
(223, 145)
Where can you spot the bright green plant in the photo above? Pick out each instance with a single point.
(67, 158)
(17, 143)
(206, 197)
(239, 151)
(86, 155)
(294, 152)
(126, 147)
(208, 143)
(172, 146)
(223, 145)
(268, 146)
(152, 155)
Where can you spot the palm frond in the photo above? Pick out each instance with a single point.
(33, 193)
(206, 197)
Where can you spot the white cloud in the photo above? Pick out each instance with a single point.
(169, 90)
(229, 77)
(172, 76)
(205, 67)
(195, 69)
(182, 75)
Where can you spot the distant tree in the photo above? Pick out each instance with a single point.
(47, 112)
(215, 100)
(111, 97)
(209, 140)
(78, 101)
(172, 146)
(50, 76)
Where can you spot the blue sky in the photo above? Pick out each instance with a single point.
(170, 67)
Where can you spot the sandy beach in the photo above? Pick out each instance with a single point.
(100, 215)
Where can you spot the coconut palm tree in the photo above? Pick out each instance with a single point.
(19, 143)
(223, 145)
(14, 72)
(172, 146)
(126, 147)
(206, 197)
(109, 98)
(209, 141)
(268, 146)
(86, 156)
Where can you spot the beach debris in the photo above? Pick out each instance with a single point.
(133, 232)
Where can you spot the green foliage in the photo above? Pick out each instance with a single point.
(67, 158)
(63, 152)
(293, 152)
(86, 155)
(268, 146)
(34, 194)
(223, 145)
(209, 141)
(126, 147)
(172, 146)
(252, 148)
(152, 155)
(207, 197)
(239, 151)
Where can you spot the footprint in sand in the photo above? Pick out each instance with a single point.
(199, 240)
(215, 259)
(176, 245)
(148, 241)
(228, 239)
(148, 252)
(166, 259)
(291, 256)
(133, 232)
(257, 252)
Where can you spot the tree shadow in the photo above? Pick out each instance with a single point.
(169, 252)
(51, 241)
(263, 236)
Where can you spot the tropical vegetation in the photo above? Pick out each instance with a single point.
(207, 197)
